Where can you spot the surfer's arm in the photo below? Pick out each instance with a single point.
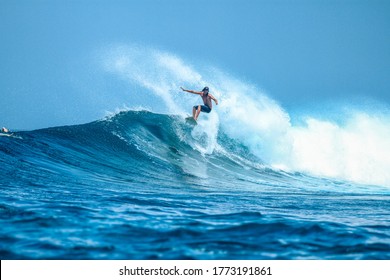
(191, 91)
(215, 99)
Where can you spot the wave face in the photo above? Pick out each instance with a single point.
(141, 185)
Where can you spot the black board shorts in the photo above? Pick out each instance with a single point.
(203, 108)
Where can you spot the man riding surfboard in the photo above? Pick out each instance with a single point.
(206, 97)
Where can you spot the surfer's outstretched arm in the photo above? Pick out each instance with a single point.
(192, 91)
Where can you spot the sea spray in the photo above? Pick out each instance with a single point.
(160, 73)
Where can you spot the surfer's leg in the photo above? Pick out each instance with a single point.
(195, 110)
(197, 113)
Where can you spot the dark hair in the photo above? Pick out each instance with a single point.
(205, 89)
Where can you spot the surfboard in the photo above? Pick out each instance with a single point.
(10, 135)
(191, 121)
(6, 134)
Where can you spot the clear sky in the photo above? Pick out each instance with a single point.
(299, 52)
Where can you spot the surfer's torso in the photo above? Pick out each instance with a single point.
(207, 100)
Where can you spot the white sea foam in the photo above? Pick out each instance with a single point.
(357, 150)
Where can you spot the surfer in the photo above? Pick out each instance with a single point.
(5, 130)
(206, 97)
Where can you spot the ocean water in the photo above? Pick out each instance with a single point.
(142, 185)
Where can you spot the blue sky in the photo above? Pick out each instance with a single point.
(299, 52)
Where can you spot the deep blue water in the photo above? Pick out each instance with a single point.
(135, 186)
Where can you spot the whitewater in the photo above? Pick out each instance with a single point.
(250, 181)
